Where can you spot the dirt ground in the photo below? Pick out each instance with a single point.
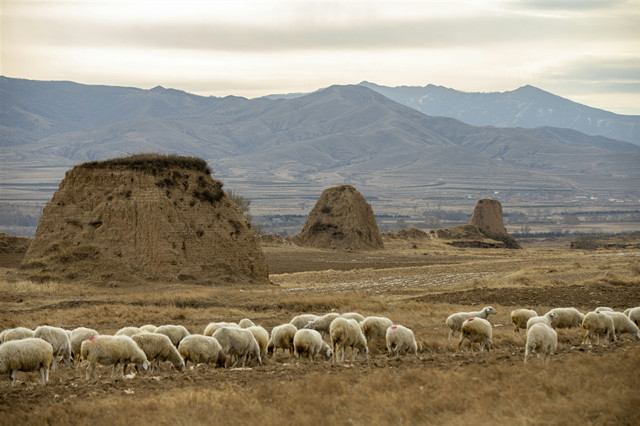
(415, 283)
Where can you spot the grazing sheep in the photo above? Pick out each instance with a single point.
(59, 340)
(310, 342)
(112, 350)
(476, 330)
(29, 354)
(17, 333)
(353, 315)
(158, 347)
(128, 331)
(197, 348)
(568, 317)
(238, 343)
(400, 339)
(454, 321)
(322, 323)
(550, 318)
(262, 337)
(175, 333)
(634, 315)
(213, 326)
(541, 339)
(346, 333)
(282, 338)
(519, 318)
(375, 327)
(300, 321)
(597, 324)
(602, 309)
(246, 323)
(78, 336)
(148, 328)
(623, 324)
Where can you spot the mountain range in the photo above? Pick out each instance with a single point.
(290, 148)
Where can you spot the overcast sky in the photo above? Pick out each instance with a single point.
(587, 51)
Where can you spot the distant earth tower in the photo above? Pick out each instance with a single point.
(487, 217)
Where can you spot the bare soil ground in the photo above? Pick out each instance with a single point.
(415, 283)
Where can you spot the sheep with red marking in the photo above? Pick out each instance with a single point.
(79, 335)
(29, 354)
(400, 339)
(519, 318)
(541, 339)
(455, 321)
(476, 330)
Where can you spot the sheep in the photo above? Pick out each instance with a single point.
(602, 309)
(112, 350)
(282, 338)
(454, 321)
(17, 333)
(550, 318)
(310, 342)
(375, 327)
(347, 333)
(78, 336)
(623, 324)
(213, 326)
(476, 330)
(541, 339)
(519, 318)
(238, 343)
(568, 317)
(322, 323)
(262, 337)
(598, 323)
(197, 348)
(300, 321)
(400, 339)
(28, 354)
(353, 315)
(128, 331)
(634, 315)
(246, 323)
(158, 347)
(148, 328)
(175, 333)
(59, 340)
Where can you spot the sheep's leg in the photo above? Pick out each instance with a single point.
(452, 333)
(41, 370)
(12, 378)
(460, 342)
(90, 369)
(46, 373)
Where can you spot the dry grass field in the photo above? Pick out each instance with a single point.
(417, 284)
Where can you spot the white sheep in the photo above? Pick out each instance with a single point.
(157, 348)
(246, 323)
(79, 335)
(623, 324)
(114, 351)
(148, 328)
(175, 333)
(322, 323)
(128, 331)
(400, 339)
(310, 342)
(602, 309)
(550, 318)
(282, 338)
(197, 348)
(17, 333)
(29, 354)
(598, 324)
(262, 337)
(541, 339)
(375, 327)
(454, 321)
(346, 333)
(476, 330)
(634, 315)
(353, 315)
(238, 343)
(568, 317)
(59, 340)
(300, 321)
(213, 326)
(519, 318)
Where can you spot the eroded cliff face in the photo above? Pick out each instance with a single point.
(341, 219)
(119, 224)
(487, 217)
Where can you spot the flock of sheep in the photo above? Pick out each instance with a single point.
(229, 344)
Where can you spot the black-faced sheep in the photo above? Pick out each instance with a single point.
(400, 339)
(541, 339)
(29, 354)
(476, 330)
(454, 321)
(346, 333)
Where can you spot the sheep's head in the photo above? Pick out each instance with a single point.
(490, 310)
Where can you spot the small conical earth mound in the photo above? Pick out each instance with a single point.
(144, 218)
(487, 217)
(343, 220)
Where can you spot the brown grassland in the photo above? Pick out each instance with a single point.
(415, 283)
